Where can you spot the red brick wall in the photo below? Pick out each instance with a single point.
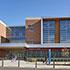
(36, 35)
(3, 53)
(57, 31)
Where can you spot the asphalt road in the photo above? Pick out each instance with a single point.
(11, 68)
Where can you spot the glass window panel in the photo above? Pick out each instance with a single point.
(65, 31)
(48, 31)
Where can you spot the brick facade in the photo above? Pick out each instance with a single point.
(35, 36)
(4, 31)
(33, 31)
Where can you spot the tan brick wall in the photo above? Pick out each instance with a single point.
(2, 30)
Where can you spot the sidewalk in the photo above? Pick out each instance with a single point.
(40, 65)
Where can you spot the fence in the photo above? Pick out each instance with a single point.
(25, 64)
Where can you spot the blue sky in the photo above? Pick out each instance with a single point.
(14, 12)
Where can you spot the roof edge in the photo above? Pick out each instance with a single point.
(31, 18)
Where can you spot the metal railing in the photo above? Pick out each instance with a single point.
(23, 64)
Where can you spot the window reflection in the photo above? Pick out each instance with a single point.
(64, 31)
(48, 31)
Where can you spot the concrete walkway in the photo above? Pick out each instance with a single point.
(11, 65)
(13, 68)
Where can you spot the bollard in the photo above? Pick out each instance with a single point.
(53, 65)
(36, 65)
(18, 64)
(2, 64)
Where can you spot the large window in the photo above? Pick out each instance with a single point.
(17, 34)
(65, 31)
(48, 31)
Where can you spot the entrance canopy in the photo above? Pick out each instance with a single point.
(47, 45)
